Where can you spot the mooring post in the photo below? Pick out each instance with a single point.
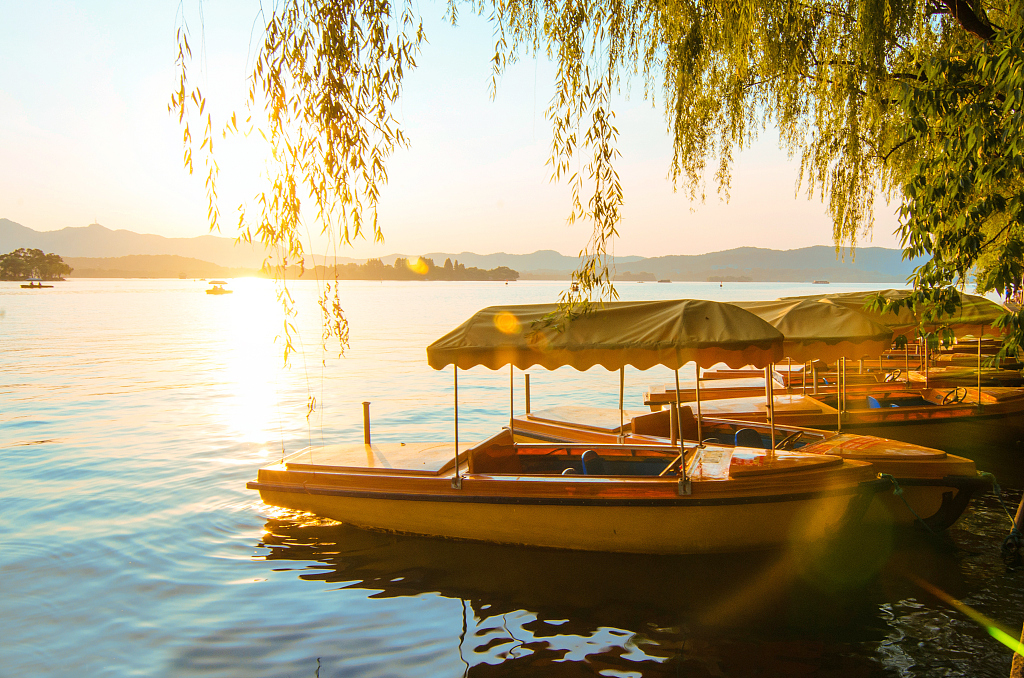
(366, 422)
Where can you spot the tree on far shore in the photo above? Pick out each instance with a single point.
(24, 263)
(419, 268)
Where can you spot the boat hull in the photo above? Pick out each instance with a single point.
(956, 426)
(653, 525)
(934, 487)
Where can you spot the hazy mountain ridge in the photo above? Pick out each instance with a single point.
(820, 262)
(151, 266)
(96, 241)
(868, 264)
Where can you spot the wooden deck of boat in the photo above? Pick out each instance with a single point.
(990, 395)
(603, 419)
(435, 458)
(736, 408)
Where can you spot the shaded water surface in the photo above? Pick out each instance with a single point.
(133, 412)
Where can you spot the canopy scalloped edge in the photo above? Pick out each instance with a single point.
(642, 334)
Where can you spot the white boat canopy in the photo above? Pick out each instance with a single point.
(817, 331)
(613, 334)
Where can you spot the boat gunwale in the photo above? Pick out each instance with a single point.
(887, 415)
(872, 486)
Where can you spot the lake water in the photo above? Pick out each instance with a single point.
(132, 413)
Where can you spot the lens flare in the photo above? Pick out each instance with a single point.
(507, 323)
(993, 628)
(419, 266)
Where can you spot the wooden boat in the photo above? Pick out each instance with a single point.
(35, 284)
(621, 496)
(217, 287)
(952, 376)
(926, 416)
(935, 487)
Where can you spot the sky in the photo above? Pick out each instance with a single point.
(85, 137)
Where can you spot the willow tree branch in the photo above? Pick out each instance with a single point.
(972, 22)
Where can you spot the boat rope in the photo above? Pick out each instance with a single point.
(1010, 549)
(898, 491)
(998, 491)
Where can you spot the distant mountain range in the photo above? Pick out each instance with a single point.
(96, 251)
(98, 241)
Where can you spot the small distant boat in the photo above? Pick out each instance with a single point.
(35, 284)
(821, 282)
(217, 287)
(666, 280)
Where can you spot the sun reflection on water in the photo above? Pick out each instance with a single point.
(250, 319)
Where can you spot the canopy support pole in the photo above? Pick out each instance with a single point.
(839, 395)
(457, 480)
(769, 388)
(980, 330)
(527, 392)
(843, 382)
(511, 401)
(700, 426)
(789, 375)
(906, 362)
(622, 417)
(685, 487)
(926, 362)
(803, 387)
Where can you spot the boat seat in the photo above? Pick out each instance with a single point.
(495, 455)
(593, 465)
(748, 437)
(657, 423)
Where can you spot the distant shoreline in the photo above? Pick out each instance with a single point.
(98, 252)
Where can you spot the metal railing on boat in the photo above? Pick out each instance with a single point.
(601, 446)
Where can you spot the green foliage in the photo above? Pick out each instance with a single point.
(963, 201)
(322, 91)
(25, 263)
(858, 90)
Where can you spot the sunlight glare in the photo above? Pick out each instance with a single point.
(417, 265)
(253, 358)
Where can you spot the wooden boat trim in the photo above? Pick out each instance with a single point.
(972, 483)
(866, 486)
(627, 446)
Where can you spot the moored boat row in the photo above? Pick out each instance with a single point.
(673, 481)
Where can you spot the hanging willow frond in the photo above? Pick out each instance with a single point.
(825, 73)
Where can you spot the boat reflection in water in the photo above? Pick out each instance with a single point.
(782, 613)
